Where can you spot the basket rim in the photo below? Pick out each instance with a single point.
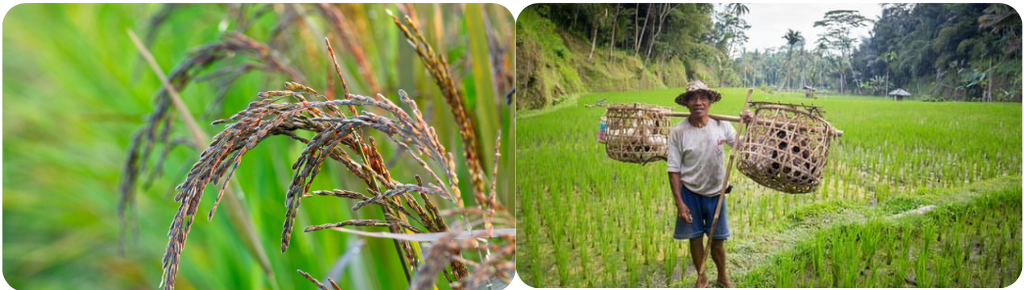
(814, 112)
(801, 107)
(636, 106)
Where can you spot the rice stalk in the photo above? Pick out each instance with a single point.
(437, 66)
(157, 125)
(337, 136)
(335, 17)
(240, 218)
(317, 282)
(265, 118)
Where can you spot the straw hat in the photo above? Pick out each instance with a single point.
(698, 87)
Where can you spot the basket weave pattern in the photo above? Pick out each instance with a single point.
(637, 133)
(786, 147)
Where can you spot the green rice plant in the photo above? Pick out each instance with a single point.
(562, 263)
(784, 274)
(670, 261)
(922, 274)
(531, 224)
(929, 246)
(607, 256)
(818, 251)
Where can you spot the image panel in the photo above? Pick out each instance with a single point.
(354, 146)
(667, 145)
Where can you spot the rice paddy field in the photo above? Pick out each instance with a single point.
(915, 194)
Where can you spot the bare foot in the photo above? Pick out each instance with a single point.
(702, 282)
(724, 283)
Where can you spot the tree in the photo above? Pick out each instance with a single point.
(662, 15)
(1000, 19)
(793, 38)
(729, 29)
(889, 58)
(968, 50)
(658, 33)
(615, 24)
(738, 9)
(999, 16)
(640, 33)
(594, 25)
(838, 24)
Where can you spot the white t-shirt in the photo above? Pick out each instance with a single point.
(697, 154)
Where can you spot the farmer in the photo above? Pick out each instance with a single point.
(696, 171)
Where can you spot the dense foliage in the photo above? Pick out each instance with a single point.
(567, 49)
(970, 51)
(964, 52)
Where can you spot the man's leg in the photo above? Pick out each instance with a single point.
(718, 254)
(697, 253)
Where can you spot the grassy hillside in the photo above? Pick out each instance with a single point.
(553, 65)
(544, 63)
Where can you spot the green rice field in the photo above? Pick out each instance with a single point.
(915, 194)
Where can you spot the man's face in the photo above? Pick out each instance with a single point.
(699, 104)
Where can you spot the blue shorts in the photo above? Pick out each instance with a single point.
(702, 210)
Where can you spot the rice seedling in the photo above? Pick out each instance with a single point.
(929, 249)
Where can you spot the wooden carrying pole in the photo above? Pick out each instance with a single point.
(721, 194)
(833, 132)
(715, 117)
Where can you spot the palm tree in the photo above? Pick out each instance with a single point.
(822, 66)
(889, 58)
(998, 17)
(792, 39)
(738, 9)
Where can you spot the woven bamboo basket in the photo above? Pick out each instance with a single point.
(636, 133)
(786, 147)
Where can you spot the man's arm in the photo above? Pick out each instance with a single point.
(677, 189)
(675, 160)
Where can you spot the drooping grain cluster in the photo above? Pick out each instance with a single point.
(266, 118)
(157, 127)
(438, 68)
(447, 248)
(337, 137)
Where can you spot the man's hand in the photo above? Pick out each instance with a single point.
(746, 116)
(683, 212)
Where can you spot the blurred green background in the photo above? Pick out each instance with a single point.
(75, 90)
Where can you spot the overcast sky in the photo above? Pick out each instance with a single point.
(769, 22)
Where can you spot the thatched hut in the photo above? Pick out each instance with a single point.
(809, 92)
(899, 94)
